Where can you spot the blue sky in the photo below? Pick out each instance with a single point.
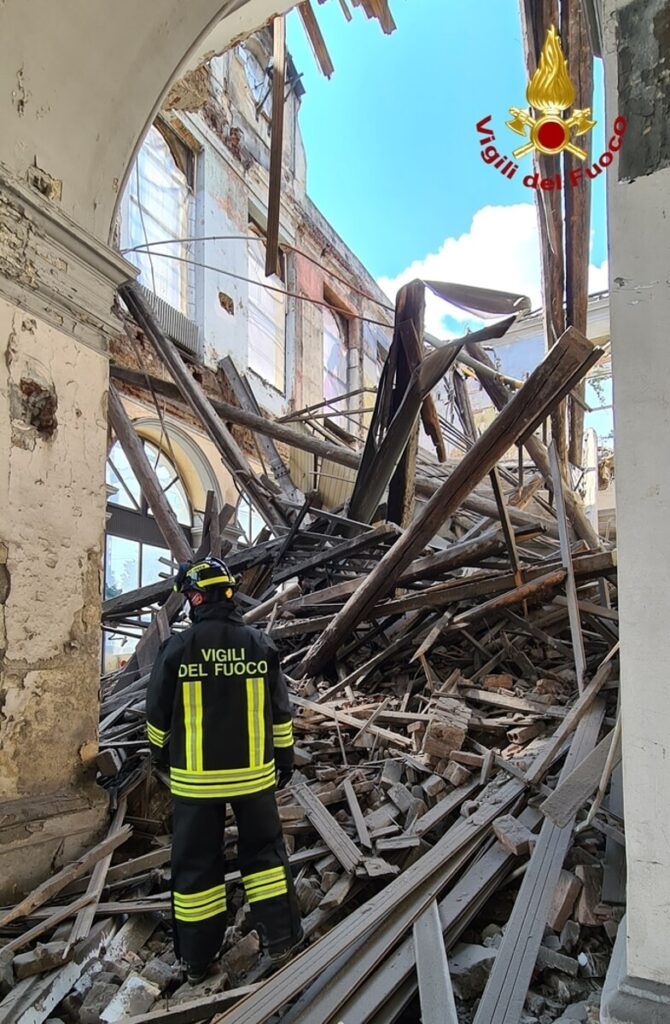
(392, 150)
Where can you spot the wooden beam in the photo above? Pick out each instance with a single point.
(573, 353)
(579, 53)
(133, 449)
(247, 400)
(500, 396)
(315, 36)
(276, 145)
(232, 455)
(566, 555)
(410, 305)
(536, 17)
(543, 761)
(339, 454)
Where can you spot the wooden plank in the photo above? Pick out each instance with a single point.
(345, 719)
(84, 920)
(568, 357)
(410, 307)
(571, 720)
(506, 989)
(305, 968)
(330, 830)
(436, 996)
(47, 924)
(323, 999)
(457, 909)
(357, 815)
(574, 791)
(442, 809)
(38, 996)
(276, 144)
(315, 36)
(513, 703)
(193, 1010)
(503, 509)
(52, 886)
(133, 449)
(566, 555)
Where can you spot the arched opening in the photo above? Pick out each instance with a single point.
(135, 551)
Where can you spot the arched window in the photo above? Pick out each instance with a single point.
(249, 521)
(135, 552)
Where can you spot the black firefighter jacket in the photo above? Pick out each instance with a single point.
(218, 701)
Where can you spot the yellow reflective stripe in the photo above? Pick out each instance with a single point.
(218, 907)
(188, 723)
(216, 579)
(282, 735)
(283, 741)
(199, 897)
(223, 775)
(256, 720)
(251, 721)
(269, 874)
(158, 737)
(198, 725)
(279, 890)
(283, 727)
(203, 792)
(192, 693)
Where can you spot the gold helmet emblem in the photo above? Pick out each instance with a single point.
(550, 92)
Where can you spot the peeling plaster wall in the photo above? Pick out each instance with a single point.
(52, 500)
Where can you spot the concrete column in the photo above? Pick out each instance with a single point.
(637, 56)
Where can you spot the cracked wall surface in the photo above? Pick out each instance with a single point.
(52, 499)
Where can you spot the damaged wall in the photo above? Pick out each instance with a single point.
(52, 447)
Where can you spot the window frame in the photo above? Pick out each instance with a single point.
(258, 234)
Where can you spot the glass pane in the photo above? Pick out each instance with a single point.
(168, 478)
(117, 650)
(122, 566)
(249, 520)
(152, 568)
(267, 320)
(158, 209)
(128, 496)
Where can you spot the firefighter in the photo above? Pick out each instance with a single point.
(218, 716)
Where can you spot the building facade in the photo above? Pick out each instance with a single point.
(192, 219)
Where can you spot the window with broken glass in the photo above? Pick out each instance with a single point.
(335, 363)
(157, 207)
(266, 350)
(259, 81)
(135, 552)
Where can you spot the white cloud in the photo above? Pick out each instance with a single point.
(500, 250)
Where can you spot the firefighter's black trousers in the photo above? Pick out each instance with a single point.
(198, 868)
